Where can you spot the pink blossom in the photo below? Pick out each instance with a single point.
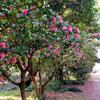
(3, 45)
(76, 36)
(56, 51)
(54, 19)
(60, 19)
(79, 55)
(25, 12)
(64, 28)
(70, 29)
(16, 56)
(33, 7)
(50, 46)
(7, 62)
(33, 49)
(14, 60)
(96, 35)
(28, 56)
(77, 49)
(53, 28)
(2, 56)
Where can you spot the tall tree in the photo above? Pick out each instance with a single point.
(37, 41)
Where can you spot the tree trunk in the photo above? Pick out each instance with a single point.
(22, 89)
(23, 85)
(41, 91)
(59, 75)
(43, 96)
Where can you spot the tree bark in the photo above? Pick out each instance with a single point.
(23, 85)
(59, 75)
(22, 89)
(41, 89)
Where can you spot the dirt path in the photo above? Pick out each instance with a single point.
(92, 88)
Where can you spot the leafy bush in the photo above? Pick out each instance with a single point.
(84, 68)
(54, 85)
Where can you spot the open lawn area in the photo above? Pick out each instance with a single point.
(15, 95)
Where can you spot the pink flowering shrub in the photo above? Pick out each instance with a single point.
(36, 42)
(68, 36)
(25, 39)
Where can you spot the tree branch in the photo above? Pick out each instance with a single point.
(9, 79)
(49, 79)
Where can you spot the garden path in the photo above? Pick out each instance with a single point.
(92, 87)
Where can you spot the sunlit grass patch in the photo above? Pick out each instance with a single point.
(10, 93)
(15, 95)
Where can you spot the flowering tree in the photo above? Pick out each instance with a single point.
(21, 37)
(36, 41)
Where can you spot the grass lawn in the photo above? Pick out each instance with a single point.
(10, 93)
(15, 95)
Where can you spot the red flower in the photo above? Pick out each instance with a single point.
(54, 19)
(16, 56)
(7, 62)
(24, 11)
(57, 51)
(2, 56)
(76, 36)
(64, 28)
(53, 28)
(70, 29)
(3, 45)
(14, 60)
